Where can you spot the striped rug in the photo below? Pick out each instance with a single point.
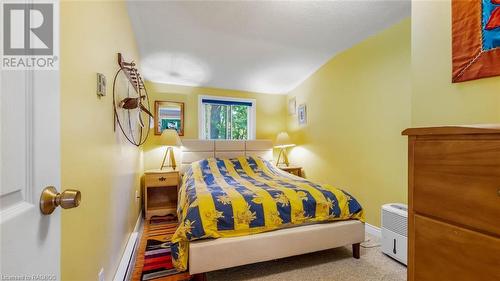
(154, 261)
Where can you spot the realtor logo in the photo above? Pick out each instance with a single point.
(28, 29)
(28, 36)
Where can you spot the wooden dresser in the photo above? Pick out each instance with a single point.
(454, 203)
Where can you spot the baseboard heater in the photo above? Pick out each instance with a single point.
(126, 267)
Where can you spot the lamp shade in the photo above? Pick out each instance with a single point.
(283, 140)
(170, 137)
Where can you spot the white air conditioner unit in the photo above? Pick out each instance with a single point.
(395, 231)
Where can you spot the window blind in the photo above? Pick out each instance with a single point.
(226, 102)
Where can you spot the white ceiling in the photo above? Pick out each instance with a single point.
(258, 46)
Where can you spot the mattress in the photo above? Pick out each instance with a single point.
(248, 195)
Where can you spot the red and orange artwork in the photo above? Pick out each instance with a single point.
(476, 39)
(494, 20)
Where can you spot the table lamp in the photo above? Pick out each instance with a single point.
(170, 138)
(282, 142)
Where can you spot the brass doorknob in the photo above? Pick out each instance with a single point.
(50, 199)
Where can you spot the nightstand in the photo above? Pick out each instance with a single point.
(292, 170)
(160, 192)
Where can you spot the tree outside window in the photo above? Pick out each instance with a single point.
(226, 120)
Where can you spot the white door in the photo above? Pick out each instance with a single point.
(30, 161)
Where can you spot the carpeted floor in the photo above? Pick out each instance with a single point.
(334, 265)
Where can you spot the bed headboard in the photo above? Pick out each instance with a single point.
(194, 150)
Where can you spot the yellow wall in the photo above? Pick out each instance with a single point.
(270, 111)
(95, 160)
(357, 105)
(436, 101)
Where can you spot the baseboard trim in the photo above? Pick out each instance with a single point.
(138, 224)
(373, 230)
(127, 262)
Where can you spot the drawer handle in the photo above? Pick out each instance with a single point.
(162, 179)
(498, 191)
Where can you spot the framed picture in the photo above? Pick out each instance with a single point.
(302, 114)
(169, 115)
(292, 107)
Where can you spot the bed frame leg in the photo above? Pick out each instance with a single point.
(199, 277)
(355, 251)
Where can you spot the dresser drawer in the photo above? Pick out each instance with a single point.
(446, 252)
(459, 181)
(162, 179)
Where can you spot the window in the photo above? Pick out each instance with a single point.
(224, 118)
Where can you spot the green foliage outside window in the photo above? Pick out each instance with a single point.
(239, 122)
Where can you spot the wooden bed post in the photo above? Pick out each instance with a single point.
(355, 251)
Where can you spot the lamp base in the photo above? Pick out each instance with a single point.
(171, 159)
(285, 162)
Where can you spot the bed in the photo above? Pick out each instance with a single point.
(234, 204)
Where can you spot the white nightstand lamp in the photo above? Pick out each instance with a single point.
(170, 139)
(283, 142)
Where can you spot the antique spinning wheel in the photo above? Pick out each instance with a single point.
(131, 103)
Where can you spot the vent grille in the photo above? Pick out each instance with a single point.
(395, 223)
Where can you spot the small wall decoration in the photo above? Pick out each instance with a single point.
(292, 106)
(302, 114)
(101, 85)
(476, 39)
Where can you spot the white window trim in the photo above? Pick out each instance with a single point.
(252, 126)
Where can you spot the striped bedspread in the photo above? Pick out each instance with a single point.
(242, 196)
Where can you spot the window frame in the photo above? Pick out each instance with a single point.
(252, 123)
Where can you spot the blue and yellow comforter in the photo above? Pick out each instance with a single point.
(242, 196)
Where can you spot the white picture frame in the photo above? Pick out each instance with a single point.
(302, 114)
